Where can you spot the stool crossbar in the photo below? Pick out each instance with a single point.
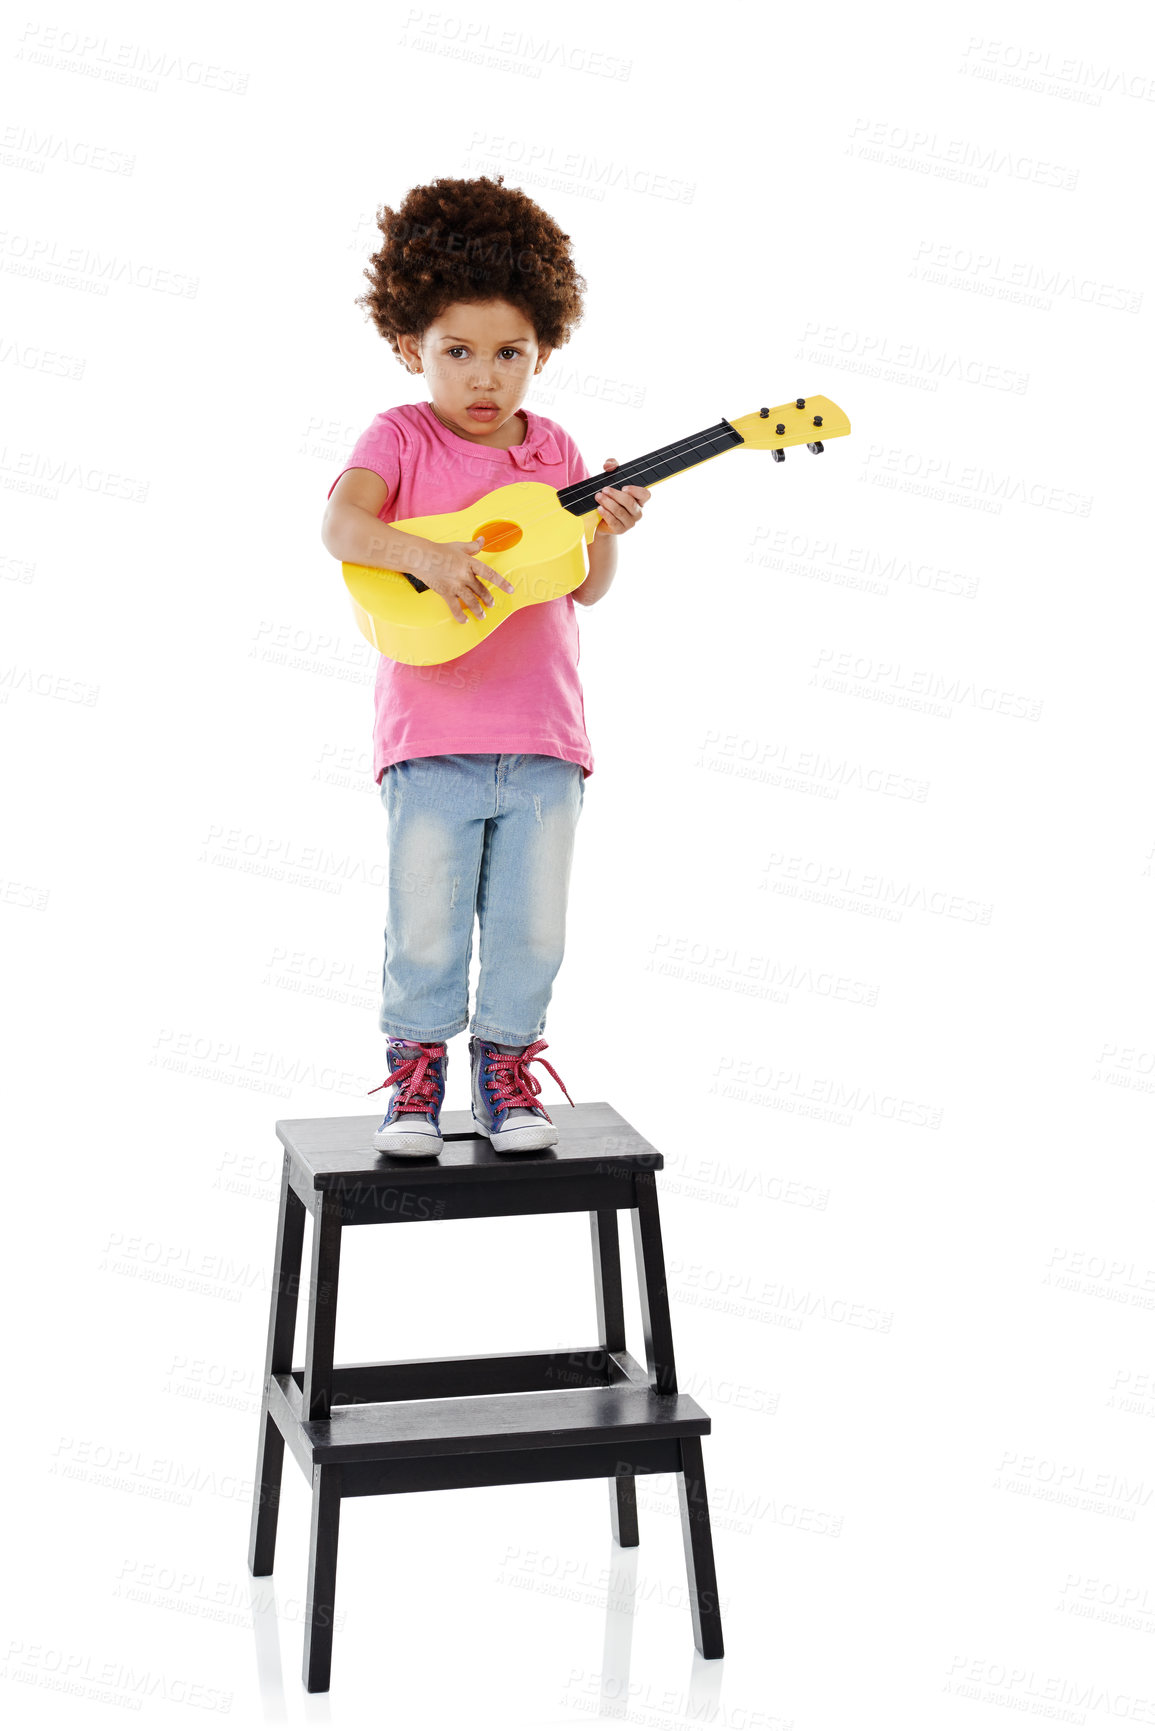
(592, 1411)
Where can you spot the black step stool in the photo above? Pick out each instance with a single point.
(361, 1430)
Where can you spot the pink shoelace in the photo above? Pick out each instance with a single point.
(512, 1083)
(418, 1089)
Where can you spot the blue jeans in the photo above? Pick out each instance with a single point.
(488, 834)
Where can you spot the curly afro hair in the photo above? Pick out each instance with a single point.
(471, 240)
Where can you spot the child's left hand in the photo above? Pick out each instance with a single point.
(621, 507)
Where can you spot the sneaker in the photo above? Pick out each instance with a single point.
(503, 1095)
(412, 1125)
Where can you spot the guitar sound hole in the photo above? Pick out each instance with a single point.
(498, 536)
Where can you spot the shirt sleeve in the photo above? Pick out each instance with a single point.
(378, 449)
(577, 463)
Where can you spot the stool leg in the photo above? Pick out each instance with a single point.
(278, 1362)
(324, 1529)
(700, 1575)
(652, 1291)
(624, 1508)
(317, 1394)
(612, 1334)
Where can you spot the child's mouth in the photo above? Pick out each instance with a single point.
(481, 413)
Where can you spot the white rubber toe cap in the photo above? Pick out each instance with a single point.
(396, 1140)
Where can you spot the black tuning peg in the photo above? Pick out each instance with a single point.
(763, 413)
(781, 427)
(800, 402)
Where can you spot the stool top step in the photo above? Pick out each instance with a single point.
(334, 1152)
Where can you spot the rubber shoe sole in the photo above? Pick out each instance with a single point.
(522, 1139)
(396, 1139)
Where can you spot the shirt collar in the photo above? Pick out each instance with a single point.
(538, 447)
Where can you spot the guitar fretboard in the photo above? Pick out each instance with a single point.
(654, 466)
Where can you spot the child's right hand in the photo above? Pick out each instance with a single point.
(460, 578)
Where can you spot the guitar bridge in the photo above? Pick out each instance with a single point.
(416, 582)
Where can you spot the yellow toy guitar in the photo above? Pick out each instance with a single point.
(533, 534)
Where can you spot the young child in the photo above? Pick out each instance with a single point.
(481, 760)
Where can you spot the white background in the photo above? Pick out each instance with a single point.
(860, 922)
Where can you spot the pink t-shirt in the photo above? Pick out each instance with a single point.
(518, 690)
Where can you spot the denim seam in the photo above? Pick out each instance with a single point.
(481, 898)
(504, 1038)
(443, 1033)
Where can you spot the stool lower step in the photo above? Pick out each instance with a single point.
(481, 1423)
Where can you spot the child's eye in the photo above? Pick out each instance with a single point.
(459, 349)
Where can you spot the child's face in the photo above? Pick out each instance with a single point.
(478, 352)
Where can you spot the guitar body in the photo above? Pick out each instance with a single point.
(533, 535)
(528, 539)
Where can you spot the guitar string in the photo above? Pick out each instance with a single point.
(654, 459)
(692, 442)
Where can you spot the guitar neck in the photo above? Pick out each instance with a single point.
(655, 466)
